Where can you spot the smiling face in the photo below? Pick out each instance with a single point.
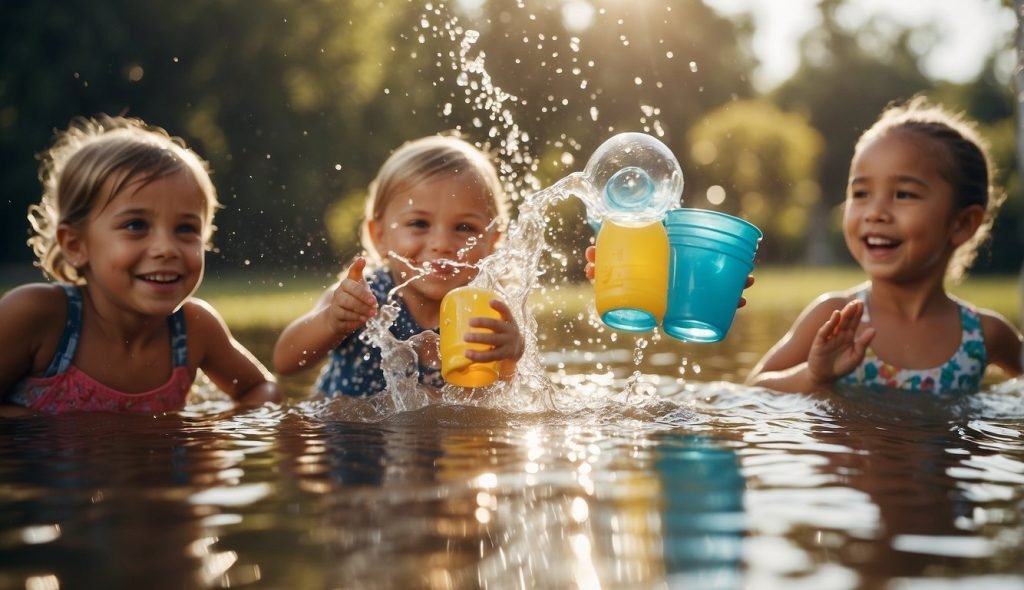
(900, 222)
(435, 230)
(142, 251)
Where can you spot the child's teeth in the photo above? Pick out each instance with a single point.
(161, 278)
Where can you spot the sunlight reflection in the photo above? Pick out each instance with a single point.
(35, 535)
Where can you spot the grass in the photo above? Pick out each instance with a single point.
(260, 301)
(264, 301)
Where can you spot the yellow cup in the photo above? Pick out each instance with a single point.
(457, 307)
(631, 275)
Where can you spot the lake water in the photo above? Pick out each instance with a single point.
(646, 479)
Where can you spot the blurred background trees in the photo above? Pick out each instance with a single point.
(296, 104)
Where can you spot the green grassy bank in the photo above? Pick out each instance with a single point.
(257, 301)
(263, 301)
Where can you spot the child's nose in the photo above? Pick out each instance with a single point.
(163, 244)
(876, 210)
(444, 242)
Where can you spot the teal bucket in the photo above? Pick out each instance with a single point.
(711, 255)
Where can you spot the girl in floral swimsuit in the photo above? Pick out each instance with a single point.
(919, 203)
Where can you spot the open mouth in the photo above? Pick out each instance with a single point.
(881, 243)
(443, 267)
(162, 278)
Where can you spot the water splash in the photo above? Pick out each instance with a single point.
(652, 184)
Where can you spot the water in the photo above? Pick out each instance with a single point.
(689, 485)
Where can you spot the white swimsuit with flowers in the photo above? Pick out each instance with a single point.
(962, 372)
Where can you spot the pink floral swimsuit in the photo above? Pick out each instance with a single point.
(962, 372)
(65, 388)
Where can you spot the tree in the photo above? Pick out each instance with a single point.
(844, 81)
(767, 160)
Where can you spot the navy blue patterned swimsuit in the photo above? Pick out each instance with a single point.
(353, 368)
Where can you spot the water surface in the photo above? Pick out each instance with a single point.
(637, 481)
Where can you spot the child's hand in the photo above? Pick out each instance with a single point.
(743, 300)
(836, 349)
(591, 253)
(352, 303)
(505, 338)
(590, 256)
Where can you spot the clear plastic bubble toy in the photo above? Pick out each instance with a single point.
(631, 179)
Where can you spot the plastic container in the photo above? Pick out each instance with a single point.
(711, 255)
(629, 183)
(457, 307)
(631, 275)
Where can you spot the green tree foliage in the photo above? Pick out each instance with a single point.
(296, 104)
(846, 78)
(281, 96)
(634, 66)
(766, 161)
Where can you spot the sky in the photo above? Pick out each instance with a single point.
(968, 30)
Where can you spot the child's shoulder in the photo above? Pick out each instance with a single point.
(1003, 341)
(32, 320)
(33, 301)
(200, 315)
(994, 325)
(828, 302)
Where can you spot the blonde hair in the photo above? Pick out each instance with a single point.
(967, 166)
(77, 166)
(425, 159)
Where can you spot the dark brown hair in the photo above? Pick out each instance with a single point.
(967, 166)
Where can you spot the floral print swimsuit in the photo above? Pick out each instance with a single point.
(354, 367)
(962, 372)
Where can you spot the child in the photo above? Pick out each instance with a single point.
(125, 218)
(919, 203)
(432, 214)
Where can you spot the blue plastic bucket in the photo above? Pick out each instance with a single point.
(710, 256)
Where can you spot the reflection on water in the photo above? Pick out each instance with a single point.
(694, 485)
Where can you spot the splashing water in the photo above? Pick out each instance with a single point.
(631, 177)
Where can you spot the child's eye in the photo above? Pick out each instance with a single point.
(468, 227)
(187, 228)
(858, 194)
(418, 223)
(905, 195)
(135, 225)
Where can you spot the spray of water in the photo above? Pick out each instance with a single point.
(513, 271)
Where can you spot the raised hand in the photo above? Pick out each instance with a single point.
(352, 303)
(837, 349)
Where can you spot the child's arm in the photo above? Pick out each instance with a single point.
(29, 316)
(1002, 343)
(505, 338)
(822, 346)
(342, 310)
(232, 368)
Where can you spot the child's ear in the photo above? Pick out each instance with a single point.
(72, 245)
(966, 222)
(375, 230)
